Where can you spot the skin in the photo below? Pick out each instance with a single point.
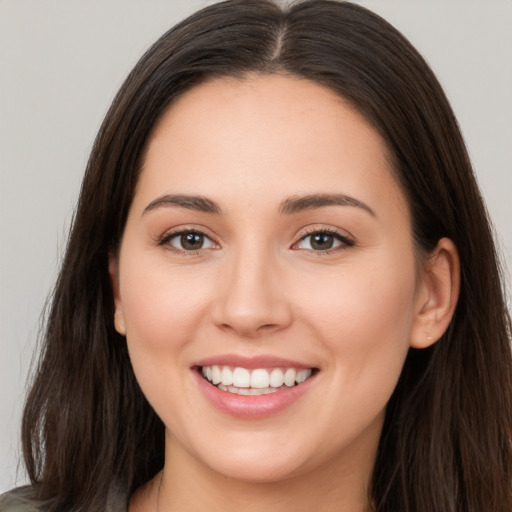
(258, 287)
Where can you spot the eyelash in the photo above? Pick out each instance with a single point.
(344, 240)
(166, 239)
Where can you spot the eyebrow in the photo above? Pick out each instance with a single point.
(297, 204)
(197, 203)
(289, 206)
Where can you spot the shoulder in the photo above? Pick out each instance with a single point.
(22, 499)
(18, 500)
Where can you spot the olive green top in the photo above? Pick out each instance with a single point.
(17, 501)
(20, 500)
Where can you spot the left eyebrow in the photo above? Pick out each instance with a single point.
(297, 204)
(190, 202)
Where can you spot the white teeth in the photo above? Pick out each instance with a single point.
(249, 391)
(276, 378)
(259, 379)
(254, 382)
(227, 376)
(303, 375)
(289, 377)
(241, 378)
(216, 375)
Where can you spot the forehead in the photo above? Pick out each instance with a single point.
(273, 135)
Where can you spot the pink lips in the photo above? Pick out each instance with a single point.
(251, 407)
(251, 362)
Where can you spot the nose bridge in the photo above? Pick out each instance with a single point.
(252, 298)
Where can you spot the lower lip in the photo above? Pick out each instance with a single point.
(252, 406)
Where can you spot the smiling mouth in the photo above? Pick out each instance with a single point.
(259, 381)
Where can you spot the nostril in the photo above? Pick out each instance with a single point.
(248, 330)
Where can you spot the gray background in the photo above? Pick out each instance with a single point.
(61, 62)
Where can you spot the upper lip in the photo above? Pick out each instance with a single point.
(251, 362)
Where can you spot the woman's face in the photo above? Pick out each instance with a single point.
(267, 240)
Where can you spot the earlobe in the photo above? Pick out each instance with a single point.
(437, 296)
(114, 280)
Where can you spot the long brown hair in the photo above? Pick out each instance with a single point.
(446, 441)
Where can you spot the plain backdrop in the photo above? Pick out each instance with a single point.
(61, 62)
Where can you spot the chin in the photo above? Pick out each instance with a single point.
(249, 457)
(259, 470)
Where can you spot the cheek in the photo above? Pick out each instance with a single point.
(160, 305)
(162, 309)
(376, 296)
(363, 319)
(161, 312)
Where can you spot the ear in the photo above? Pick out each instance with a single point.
(438, 292)
(113, 270)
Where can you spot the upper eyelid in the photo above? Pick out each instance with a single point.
(165, 239)
(202, 230)
(307, 231)
(344, 240)
(311, 230)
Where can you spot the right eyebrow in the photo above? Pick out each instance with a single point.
(190, 202)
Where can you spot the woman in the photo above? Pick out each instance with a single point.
(280, 289)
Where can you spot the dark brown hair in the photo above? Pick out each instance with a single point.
(446, 442)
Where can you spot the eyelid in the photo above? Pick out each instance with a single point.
(164, 239)
(344, 238)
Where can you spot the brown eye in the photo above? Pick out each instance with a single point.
(323, 241)
(189, 241)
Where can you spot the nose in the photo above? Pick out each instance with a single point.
(251, 297)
